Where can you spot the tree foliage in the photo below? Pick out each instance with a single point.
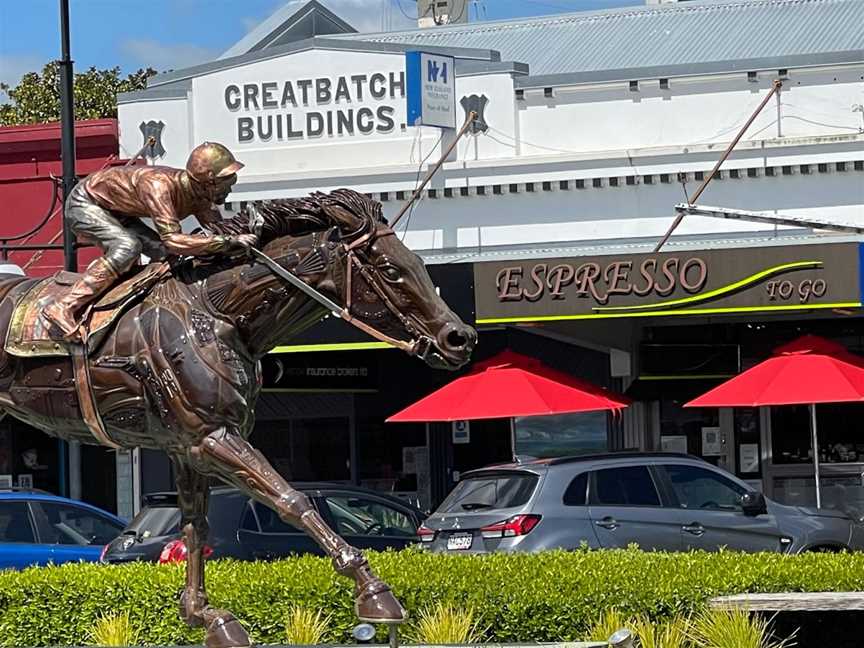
(36, 98)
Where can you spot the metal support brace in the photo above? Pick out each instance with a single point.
(775, 88)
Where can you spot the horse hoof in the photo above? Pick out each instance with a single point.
(376, 604)
(225, 631)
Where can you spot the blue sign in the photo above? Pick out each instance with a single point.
(431, 89)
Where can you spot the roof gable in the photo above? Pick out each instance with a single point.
(289, 25)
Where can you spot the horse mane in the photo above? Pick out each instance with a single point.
(270, 219)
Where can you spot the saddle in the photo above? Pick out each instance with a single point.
(30, 335)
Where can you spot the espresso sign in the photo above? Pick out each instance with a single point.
(682, 283)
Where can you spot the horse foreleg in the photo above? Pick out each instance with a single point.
(223, 630)
(232, 458)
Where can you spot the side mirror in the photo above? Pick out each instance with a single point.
(753, 503)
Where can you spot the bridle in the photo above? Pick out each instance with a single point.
(420, 345)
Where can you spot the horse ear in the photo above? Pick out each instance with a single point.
(348, 222)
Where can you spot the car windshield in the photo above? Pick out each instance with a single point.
(490, 492)
(155, 521)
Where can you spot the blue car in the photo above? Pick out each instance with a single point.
(37, 528)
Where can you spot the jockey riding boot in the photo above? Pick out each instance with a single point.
(64, 312)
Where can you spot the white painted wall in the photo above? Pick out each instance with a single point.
(586, 132)
(706, 110)
(638, 212)
(176, 139)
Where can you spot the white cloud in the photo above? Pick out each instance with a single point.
(164, 56)
(12, 68)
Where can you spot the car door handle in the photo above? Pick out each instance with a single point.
(695, 529)
(607, 523)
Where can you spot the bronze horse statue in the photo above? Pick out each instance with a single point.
(177, 368)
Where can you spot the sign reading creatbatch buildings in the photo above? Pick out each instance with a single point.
(682, 283)
(314, 107)
(431, 89)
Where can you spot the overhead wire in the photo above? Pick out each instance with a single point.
(398, 3)
(417, 182)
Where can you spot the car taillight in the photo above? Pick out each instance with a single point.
(104, 551)
(518, 525)
(175, 551)
(425, 533)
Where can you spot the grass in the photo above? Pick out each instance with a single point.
(668, 634)
(708, 629)
(446, 624)
(733, 629)
(113, 629)
(305, 627)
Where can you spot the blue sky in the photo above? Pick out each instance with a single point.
(167, 34)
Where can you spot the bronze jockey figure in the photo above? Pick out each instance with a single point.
(106, 210)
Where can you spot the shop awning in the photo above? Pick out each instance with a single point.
(509, 385)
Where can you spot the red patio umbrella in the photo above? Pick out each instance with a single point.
(506, 386)
(807, 371)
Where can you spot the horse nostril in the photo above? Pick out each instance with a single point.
(456, 340)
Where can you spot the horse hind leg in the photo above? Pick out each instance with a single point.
(235, 460)
(223, 630)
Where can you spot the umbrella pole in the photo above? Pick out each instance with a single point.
(513, 437)
(813, 430)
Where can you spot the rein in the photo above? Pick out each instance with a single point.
(419, 346)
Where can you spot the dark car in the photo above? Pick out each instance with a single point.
(247, 530)
(38, 528)
(661, 501)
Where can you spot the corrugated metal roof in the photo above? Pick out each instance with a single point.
(652, 36)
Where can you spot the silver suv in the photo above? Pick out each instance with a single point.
(659, 501)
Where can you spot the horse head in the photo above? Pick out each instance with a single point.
(355, 259)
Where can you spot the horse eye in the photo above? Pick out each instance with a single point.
(391, 273)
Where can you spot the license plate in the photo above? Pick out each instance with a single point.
(460, 541)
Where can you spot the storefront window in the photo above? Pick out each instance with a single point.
(841, 492)
(561, 434)
(747, 442)
(307, 449)
(840, 439)
(28, 457)
(393, 458)
(691, 430)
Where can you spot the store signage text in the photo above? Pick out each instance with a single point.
(704, 282)
(431, 89)
(600, 281)
(356, 104)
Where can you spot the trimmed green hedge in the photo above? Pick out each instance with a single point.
(552, 596)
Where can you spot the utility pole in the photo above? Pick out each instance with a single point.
(67, 136)
(67, 154)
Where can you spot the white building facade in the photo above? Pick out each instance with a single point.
(592, 127)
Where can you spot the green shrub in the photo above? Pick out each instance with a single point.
(305, 627)
(552, 596)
